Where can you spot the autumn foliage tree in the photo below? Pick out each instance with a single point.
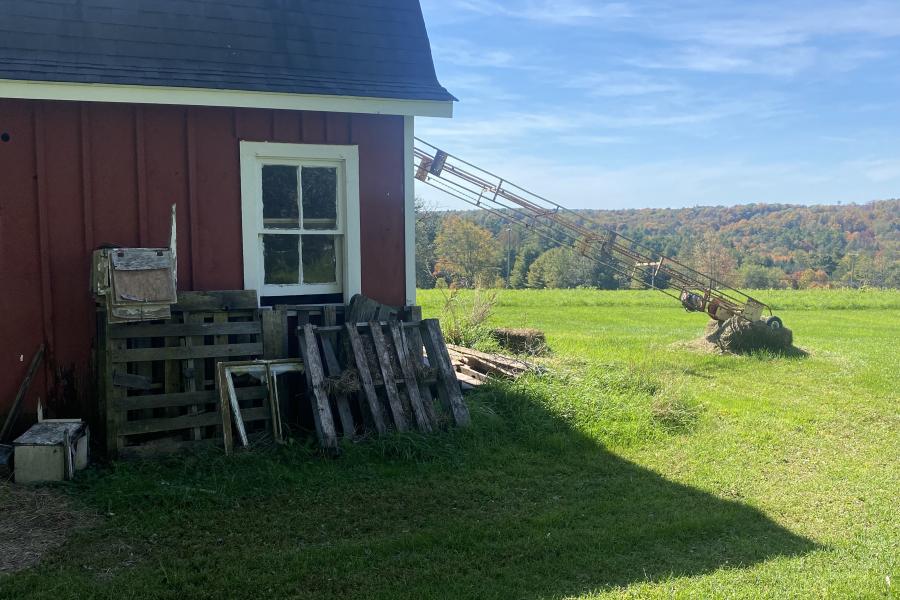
(467, 254)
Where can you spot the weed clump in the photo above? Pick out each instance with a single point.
(463, 320)
(675, 414)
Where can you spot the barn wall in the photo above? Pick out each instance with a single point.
(76, 175)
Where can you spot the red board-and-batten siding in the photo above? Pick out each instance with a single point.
(76, 175)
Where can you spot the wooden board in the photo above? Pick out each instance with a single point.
(387, 374)
(448, 385)
(415, 348)
(372, 403)
(216, 301)
(181, 353)
(342, 399)
(183, 329)
(321, 407)
(411, 384)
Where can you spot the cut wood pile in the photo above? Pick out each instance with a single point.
(474, 368)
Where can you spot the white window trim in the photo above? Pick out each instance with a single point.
(253, 154)
(409, 190)
(185, 96)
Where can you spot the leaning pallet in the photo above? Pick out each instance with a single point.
(396, 371)
(158, 378)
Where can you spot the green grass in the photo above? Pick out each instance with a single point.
(637, 469)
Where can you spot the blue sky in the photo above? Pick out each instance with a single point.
(669, 104)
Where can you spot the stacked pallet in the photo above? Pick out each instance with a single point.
(378, 376)
(158, 378)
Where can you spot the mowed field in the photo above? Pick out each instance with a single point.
(636, 468)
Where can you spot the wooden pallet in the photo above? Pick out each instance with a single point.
(401, 367)
(157, 379)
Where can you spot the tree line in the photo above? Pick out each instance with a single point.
(752, 246)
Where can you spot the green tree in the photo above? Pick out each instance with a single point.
(758, 277)
(466, 253)
(427, 223)
(555, 268)
(711, 257)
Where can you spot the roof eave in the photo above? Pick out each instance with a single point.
(184, 96)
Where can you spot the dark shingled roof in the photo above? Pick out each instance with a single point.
(372, 48)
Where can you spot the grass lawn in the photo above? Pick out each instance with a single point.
(637, 469)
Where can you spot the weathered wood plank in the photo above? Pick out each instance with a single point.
(233, 405)
(472, 373)
(412, 313)
(185, 352)
(128, 330)
(141, 259)
(387, 374)
(197, 368)
(114, 417)
(203, 419)
(342, 399)
(20, 394)
(320, 405)
(448, 385)
(329, 315)
(178, 399)
(225, 407)
(131, 381)
(410, 379)
(165, 446)
(361, 309)
(216, 301)
(415, 348)
(365, 376)
(274, 332)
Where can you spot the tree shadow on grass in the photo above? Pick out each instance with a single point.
(521, 505)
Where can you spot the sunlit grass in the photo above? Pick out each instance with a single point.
(636, 468)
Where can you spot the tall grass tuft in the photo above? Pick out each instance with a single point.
(464, 316)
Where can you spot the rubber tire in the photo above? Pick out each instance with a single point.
(774, 323)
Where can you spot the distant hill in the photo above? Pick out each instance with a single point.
(760, 245)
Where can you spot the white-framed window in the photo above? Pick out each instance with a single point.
(300, 217)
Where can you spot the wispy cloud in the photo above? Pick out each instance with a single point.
(578, 127)
(554, 12)
(622, 83)
(878, 170)
(780, 63)
(464, 54)
(759, 38)
(478, 89)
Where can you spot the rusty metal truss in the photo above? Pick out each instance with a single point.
(563, 227)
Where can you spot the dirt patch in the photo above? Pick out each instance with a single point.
(33, 521)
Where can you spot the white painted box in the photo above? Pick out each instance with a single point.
(51, 451)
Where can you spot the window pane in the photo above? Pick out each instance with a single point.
(319, 197)
(319, 259)
(279, 184)
(281, 258)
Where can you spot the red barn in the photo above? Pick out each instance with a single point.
(111, 111)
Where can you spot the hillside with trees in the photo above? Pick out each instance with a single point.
(752, 246)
